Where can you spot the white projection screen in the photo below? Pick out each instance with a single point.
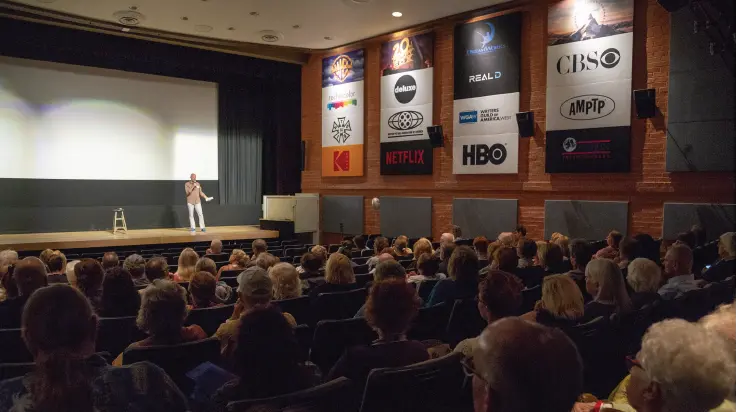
(60, 121)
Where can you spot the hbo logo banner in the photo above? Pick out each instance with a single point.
(498, 154)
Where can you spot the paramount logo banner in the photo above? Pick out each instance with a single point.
(406, 105)
(486, 93)
(589, 80)
(342, 114)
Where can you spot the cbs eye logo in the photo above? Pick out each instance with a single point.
(579, 62)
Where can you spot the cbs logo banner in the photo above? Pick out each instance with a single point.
(497, 154)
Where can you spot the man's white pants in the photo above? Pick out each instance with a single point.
(198, 208)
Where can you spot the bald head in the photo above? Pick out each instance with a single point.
(529, 363)
(447, 238)
(678, 260)
(385, 257)
(216, 246)
(29, 275)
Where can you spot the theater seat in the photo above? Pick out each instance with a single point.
(361, 269)
(429, 323)
(115, 334)
(339, 305)
(530, 296)
(363, 279)
(333, 337)
(14, 370)
(230, 273)
(209, 319)
(367, 253)
(13, 347)
(298, 307)
(425, 288)
(602, 353)
(430, 386)
(333, 396)
(464, 321)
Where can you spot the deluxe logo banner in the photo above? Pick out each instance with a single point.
(589, 80)
(342, 114)
(406, 105)
(486, 95)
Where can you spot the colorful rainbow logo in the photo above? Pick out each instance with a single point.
(342, 103)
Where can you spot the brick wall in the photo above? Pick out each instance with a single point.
(646, 187)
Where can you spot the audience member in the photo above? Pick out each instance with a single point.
(446, 251)
(186, 265)
(508, 259)
(493, 253)
(89, 274)
(647, 247)
(643, 276)
(136, 266)
(605, 284)
(563, 243)
(286, 281)
(530, 273)
(555, 264)
(254, 291)
(202, 290)
(339, 277)
(677, 272)
(463, 273)
(258, 246)
(57, 268)
(162, 314)
(500, 296)
(580, 258)
(28, 274)
(520, 366)
(611, 251)
(457, 233)
(110, 260)
(385, 256)
(321, 252)
(345, 250)
(119, 295)
(391, 306)
(542, 250)
(520, 233)
(507, 239)
(686, 238)
(360, 243)
(268, 360)
(725, 266)
(310, 264)
(266, 260)
(427, 269)
(481, 245)
(561, 305)
(421, 246)
(7, 284)
(59, 329)
(206, 264)
(70, 272)
(44, 256)
(400, 246)
(380, 243)
(216, 247)
(237, 261)
(387, 269)
(627, 252)
(157, 268)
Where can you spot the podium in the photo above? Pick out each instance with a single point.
(297, 215)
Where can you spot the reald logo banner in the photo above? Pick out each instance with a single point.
(589, 80)
(486, 91)
(342, 114)
(406, 105)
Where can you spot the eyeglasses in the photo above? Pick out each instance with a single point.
(470, 371)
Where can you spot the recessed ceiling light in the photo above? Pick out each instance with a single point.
(128, 17)
(296, 26)
(185, 18)
(270, 36)
(397, 14)
(133, 7)
(253, 13)
(202, 28)
(328, 37)
(231, 28)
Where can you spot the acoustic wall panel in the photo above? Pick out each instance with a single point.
(484, 217)
(585, 219)
(714, 218)
(410, 216)
(345, 210)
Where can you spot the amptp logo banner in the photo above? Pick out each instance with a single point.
(343, 114)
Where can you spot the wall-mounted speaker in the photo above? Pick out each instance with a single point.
(436, 135)
(645, 106)
(672, 5)
(526, 124)
(303, 158)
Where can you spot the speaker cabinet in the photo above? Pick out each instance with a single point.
(526, 124)
(436, 135)
(645, 103)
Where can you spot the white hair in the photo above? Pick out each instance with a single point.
(728, 243)
(692, 365)
(8, 257)
(643, 275)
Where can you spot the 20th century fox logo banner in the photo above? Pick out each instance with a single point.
(486, 95)
(342, 114)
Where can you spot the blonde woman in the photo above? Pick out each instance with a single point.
(542, 250)
(493, 254)
(186, 265)
(561, 305)
(285, 280)
(605, 284)
(644, 277)
(339, 276)
(238, 260)
(420, 247)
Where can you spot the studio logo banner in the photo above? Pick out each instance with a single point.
(589, 80)
(406, 105)
(486, 93)
(343, 114)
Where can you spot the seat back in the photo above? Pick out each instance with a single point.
(304, 334)
(115, 334)
(363, 279)
(429, 323)
(464, 321)
(209, 319)
(177, 360)
(361, 269)
(14, 370)
(297, 307)
(631, 327)
(602, 353)
(230, 273)
(425, 288)
(333, 337)
(367, 253)
(339, 305)
(433, 385)
(360, 260)
(530, 296)
(218, 257)
(13, 347)
(333, 396)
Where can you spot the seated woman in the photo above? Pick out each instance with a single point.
(186, 265)
(400, 246)
(561, 305)
(268, 360)
(88, 276)
(59, 329)
(643, 276)
(420, 247)
(202, 291)
(463, 268)
(427, 269)
(119, 295)
(237, 261)
(390, 307)
(286, 281)
(605, 284)
(339, 276)
(481, 245)
(162, 314)
(380, 243)
(310, 265)
(724, 267)
(554, 262)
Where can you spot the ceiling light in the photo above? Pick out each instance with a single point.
(328, 37)
(296, 26)
(231, 28)
(253, 13)
(185, 18)
(397, 14)
(128, 17)
(270, 36)
(202, 28)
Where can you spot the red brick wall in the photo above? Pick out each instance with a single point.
(646, 187)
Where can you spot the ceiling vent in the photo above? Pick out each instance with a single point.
(129, 17)
(270, 36)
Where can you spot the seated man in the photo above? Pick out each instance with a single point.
(216, 247)
(110, 260)
(57, 268)
(137, 268)
(530, 274)
(157, 268)
(677, 270)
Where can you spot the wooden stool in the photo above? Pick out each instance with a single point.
(119, 218)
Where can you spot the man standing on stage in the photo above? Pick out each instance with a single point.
(194, 192)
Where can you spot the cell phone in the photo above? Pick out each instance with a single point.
(707, 267)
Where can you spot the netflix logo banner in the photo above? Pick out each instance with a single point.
(406, 158)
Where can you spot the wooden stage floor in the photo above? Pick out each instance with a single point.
(72, 240)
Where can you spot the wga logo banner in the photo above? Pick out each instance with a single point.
(484, 35)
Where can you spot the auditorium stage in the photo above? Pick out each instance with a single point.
(73, 240)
